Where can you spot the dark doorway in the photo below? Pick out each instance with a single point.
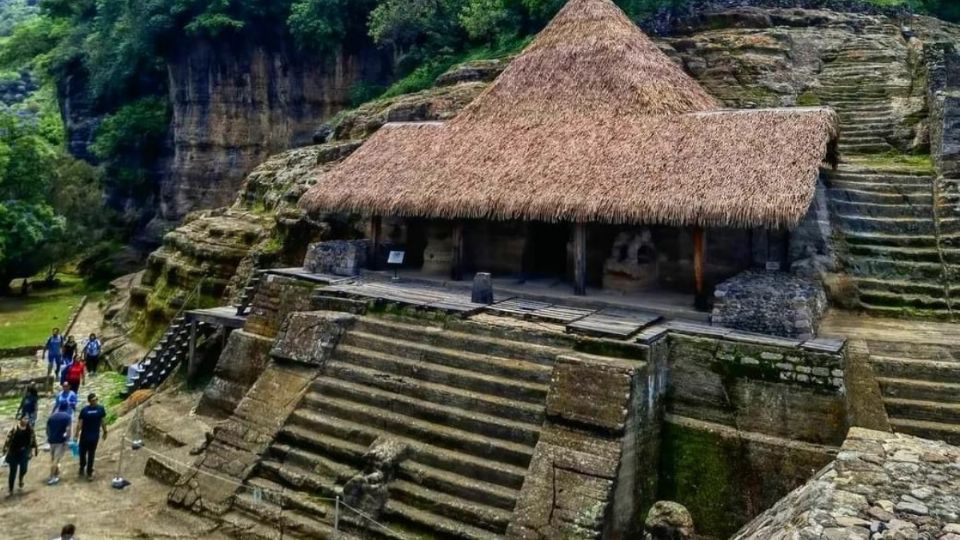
(545, 255)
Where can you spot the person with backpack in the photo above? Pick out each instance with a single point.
(58, 435)
(53, 349)
(75, 375)
(91, 353)
(20, 441)
(28, 406)
(89, 426)
(65, 397)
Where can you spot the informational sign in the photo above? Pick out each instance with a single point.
(396, 257)
(773, 266)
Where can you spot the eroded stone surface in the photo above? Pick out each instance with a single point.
(881, 485)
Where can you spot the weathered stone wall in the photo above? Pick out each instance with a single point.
(590, 470)
(881, 485)
(337, 257)
(240, 365)
(239, 442)
(772, 303)
(276, 298)
(944, 62)
(745, 424)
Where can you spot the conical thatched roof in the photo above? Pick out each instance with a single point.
(591, 123)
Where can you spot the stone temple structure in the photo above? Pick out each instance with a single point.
(590, 137)
(361, 407)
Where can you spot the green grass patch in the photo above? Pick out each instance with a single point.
(27, 320)
(895, 161)
(115, 382)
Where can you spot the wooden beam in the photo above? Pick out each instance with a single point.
(376, 228)
(699, 263)
(579, 259)
(456, 271)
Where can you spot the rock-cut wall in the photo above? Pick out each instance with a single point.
(236, 103)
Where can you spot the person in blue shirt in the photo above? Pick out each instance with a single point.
(91, 353)
(28, 405)
(89, 427)
(53, 349)
(67, 398)
(58, 435)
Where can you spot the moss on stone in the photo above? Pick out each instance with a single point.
(701, 472)
(808, 99)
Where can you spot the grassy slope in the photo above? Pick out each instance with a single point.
(28, 320)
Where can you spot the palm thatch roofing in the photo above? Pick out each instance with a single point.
(591, 123)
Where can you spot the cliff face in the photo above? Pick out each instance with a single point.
(235, 104)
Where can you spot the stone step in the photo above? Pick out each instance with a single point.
(933, 289)
(904, 368)
(348, 441)
(937, 431)
(463, 419)
(440, 435)
(904, 302)
(867, 176)
(303, 469)
(291, 521)
(930, 411)
(912, 389)
(439, 374)
(467, 488)
(906, 312)
(895, 270)
(520, 411)
(478, 515)
(906, 197)
(907, 254)
(865, 148)
(853, 119)
(883, 210)
(494, 345)
(239, 524)
(860, 107)
(864, 224)
(918, 351)
(447, 528)
(456, 357)
(868, 138)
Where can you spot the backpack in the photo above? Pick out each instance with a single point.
(75, 372)
(93, 348)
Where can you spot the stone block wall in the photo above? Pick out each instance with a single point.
(242, 361)
(337, 257)
(745, 423)
(772, 303)
(277, 297)
(594, 465)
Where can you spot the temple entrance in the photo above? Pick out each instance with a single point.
(545, 254)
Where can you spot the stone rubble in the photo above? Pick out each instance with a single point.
(881, 486)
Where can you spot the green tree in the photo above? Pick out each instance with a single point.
(129, 140)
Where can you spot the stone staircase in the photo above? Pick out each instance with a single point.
(900, 234)
(164, 359)
(468, 404)
(921, 388)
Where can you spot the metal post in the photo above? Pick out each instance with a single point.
(336, 515)
(192, 358)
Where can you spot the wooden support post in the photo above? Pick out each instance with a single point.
(192, 367)
(580, 259)
(456, 270)
(376, 226)
(699, 261)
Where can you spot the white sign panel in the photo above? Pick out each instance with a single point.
(396, 257)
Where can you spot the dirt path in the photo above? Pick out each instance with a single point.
(99, 511)
(88, 321)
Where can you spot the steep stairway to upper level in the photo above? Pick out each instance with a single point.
(900, 232)
(921, 388)
(469, 405)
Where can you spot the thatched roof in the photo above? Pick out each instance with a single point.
(592, 123)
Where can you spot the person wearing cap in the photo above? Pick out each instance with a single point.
(89, 427)
(58, 433)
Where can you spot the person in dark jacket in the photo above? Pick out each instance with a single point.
(28, 406)
(20, 441)
(89, 427)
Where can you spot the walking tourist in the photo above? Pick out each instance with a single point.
(20, 441)
(53, 348)
(89, 427)
(28, 406)
(58, 433)
(91, 353)
(67, 533)
(69, 350)
(75, 374)
(66, 396)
